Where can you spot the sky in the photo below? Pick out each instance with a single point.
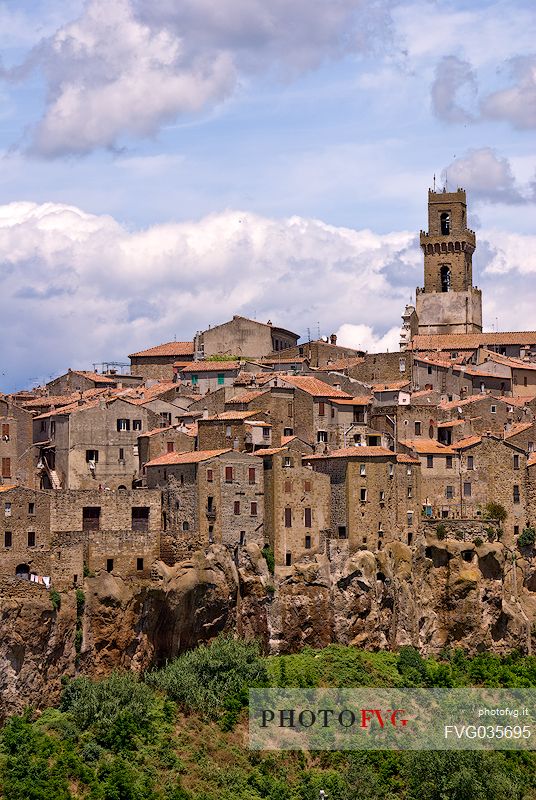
(165, 164)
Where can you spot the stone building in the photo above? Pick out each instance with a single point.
(448, 303)
(87, 445)
(207, 376)
(243, 337)
(297, 501)
(210, 496)
(25, 533)
(440, 477)
(365, 495)
(315, 414)
(239, 430)
(157, 362)
(173, 439)
(16, 451)
(80, 381)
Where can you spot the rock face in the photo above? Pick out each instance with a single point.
(433, 595)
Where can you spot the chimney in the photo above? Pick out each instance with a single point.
(333, 338)
(205, 413)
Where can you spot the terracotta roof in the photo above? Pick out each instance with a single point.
(167, 349)
(519, 402)
(259, 423)
(531, 460)
(269, 451)
(93, 376)
(247, 397)
(422, 393)
(343, 363)
(518, 427)
(451, 424)
(480, 373)
(145, 394)
(427, 447)
(389, 387)
(154, 431)
(210, 366)
(470, 341)
(194, 457)
(314, 386)
(76, 407)
(469, 441)
(405, 458)
(287, 439)
(284, 360)
(4, 488)
(229, 416)
(353, 401)
(58, 400)
(353, 452)
(473, 398)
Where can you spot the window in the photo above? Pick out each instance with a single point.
(516, 493)
(288, 559)
(391, 470)
(236, 507)
(43, 425)
(531, 447)
(470, 462)
(228, 432)
(516, 530)
(449, 462)
(410, 519)
(52, 429)
(6, 468)
(307, 486)
(359, 414)
(31, 538)
(307, 542)
(429, 462)
(445, 278)
(266, 433)
(516, 462)
(288, 431)
(382, 497)
(290, 410)
(467, 490)
(5, 432)
(186, 526)
(195, 380)
(210, 534)
(7, 510)
(307, 517)
(140, 518)
(253, 512)
(139, 564)
(410, 492)
(445, 223)
(418, 428)
(136, 424)
(165, 419)
(342, 531)
(228, 474)
(363, 495)
(494, 409)
(92, 455)
(109, 564)
(210, 505)
(288, 517)
(170, 447)
(362, 470)
(332, 412)
(402, 364)
(242, 538)
(8, 539)
(321, 409)
(449, 492)
(322, 437)
(287, 461)
(31, 509)
(121, 454)
(429, 369)
(288, 486)
(221, 378)
(91, 518)
(123, 424)
(252, 475)
(210, 475)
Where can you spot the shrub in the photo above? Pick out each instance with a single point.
(80, 602)
(441, 531)
(478, 542)
(495, 511)
(269, 557)
(527, 538)
(207, 678)
(55, 599)
(411, 666)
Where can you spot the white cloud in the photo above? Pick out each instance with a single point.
(126, 67)
(487, 176)
(517, 103)
(363, 337)
(453, 77)
(81, 287)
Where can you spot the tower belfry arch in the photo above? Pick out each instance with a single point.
(448, 302)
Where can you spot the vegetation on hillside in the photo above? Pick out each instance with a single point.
(180, 734)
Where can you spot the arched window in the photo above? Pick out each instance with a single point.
(23, 571)
(445, 279)
(445, 223)
(185, 526)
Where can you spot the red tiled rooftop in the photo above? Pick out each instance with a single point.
(469, 441)
(390, 387)
(166, 349)
(353, 452)
(427, 447)
(194, 457)
(470, 341)
(210, 366)
(247, 397)
(314, 386)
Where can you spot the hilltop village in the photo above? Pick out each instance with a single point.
(304, 453)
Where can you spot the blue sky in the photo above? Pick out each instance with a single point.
(166, 164)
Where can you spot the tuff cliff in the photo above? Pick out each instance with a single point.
(433, 595)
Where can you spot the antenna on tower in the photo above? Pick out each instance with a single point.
(434, 181)
(308, 334)
(318, 329)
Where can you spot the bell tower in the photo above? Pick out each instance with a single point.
(448, 302)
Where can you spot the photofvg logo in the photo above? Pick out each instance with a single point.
(400, 719)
